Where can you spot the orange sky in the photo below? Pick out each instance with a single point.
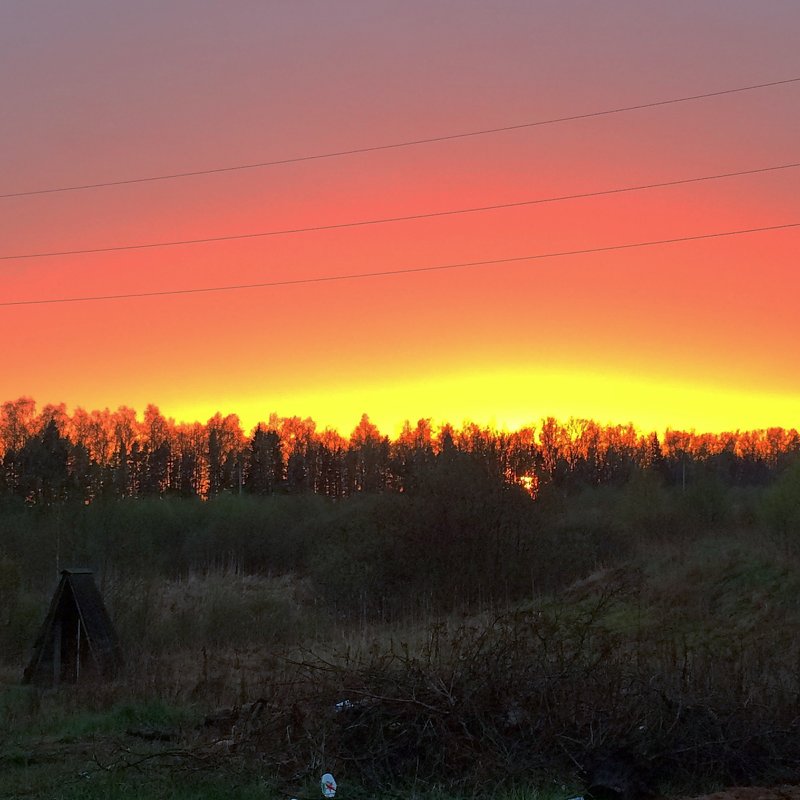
(699, 334)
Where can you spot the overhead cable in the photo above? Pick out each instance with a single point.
(406, 218)
(400, 271)
(400, 144)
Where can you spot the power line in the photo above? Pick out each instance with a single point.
(402, 271)
(407, 218)
(397, 145)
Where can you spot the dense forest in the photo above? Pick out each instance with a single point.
(438, 518)
(53, 457)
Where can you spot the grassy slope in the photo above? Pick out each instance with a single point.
(728, 600)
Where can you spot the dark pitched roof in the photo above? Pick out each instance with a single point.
(76, 594)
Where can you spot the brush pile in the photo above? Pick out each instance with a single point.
(534, 695)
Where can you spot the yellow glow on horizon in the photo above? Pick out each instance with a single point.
(513, 398)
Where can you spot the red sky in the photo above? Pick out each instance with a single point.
(700, 334)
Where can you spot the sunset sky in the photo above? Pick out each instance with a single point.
(700, 334)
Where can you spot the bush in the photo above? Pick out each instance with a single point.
(781, 509)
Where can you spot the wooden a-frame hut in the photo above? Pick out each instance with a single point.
(77, 641)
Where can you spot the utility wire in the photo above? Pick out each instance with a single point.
(408, 218)
(407, 143)
(401, 271)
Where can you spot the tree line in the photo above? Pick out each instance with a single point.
(50, 456)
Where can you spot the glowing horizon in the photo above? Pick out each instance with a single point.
(704, 409)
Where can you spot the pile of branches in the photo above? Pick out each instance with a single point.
(531, 695)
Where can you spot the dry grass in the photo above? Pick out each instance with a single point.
(685, 657)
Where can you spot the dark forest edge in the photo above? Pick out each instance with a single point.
(430, 521)
(51, 456)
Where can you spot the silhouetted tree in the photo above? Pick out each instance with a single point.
(43, 467)
(264, 466)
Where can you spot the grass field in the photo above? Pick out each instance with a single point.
(685, 656)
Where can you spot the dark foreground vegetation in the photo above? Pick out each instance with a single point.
(464, 627)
